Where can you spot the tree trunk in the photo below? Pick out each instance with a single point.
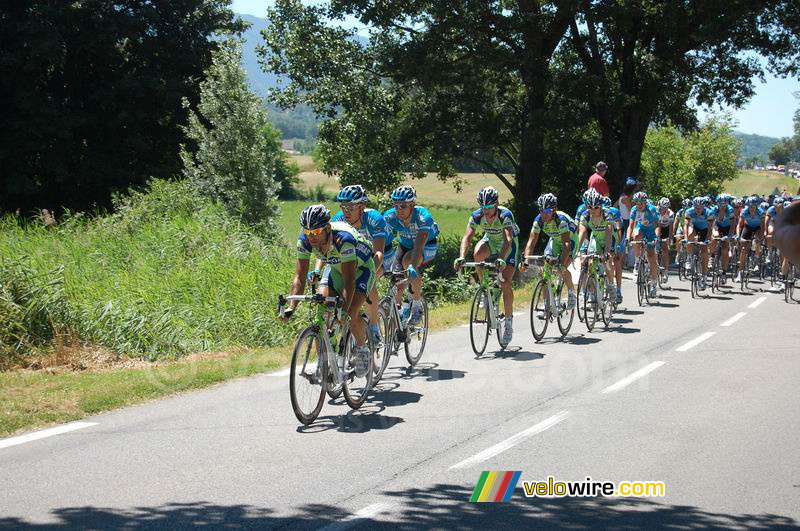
(528, 181)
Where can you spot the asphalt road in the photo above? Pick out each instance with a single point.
(669, 393)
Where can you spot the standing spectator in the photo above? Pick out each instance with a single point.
(624, 205)
(598, 181)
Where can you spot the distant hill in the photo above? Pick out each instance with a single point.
(260, 81)
(755, 145)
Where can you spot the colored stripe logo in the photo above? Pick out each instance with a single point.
(495, 486)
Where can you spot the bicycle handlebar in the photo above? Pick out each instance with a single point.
(481, 264)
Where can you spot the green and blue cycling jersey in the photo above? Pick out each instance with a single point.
(616, 216)
(373, 227)
(597, 242)
(347, 245)
(421, 221)
(561, 224)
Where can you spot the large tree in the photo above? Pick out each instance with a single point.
(90, 94)
(647, 61)
(437, 82)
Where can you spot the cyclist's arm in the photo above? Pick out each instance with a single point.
(299, 282)
(531, 245)
(566, 241)
(607, 250)
(419, 248)
(378, 247)
(581, 234)
(508, 237)
(466, 241)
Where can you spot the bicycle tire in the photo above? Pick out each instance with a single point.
(307, 415)
(479, 322)
(582, 279)
(695, 279)
(589, 307)
(355, 394)
(540, 303)
(383, 352)
(607, 308)
(641, 286)
(416, 337)
(562, 310)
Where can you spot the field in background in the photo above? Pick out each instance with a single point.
(762, 183)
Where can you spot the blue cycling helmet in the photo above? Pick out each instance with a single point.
(592, 198)
(699, 201)
(639, 196)
(686, 203)
(607, 202)
(547, 201)
(630, 181)
(752, 200)
(778, 201)
(315, 217)
(488, 196)
(354, 193)
(404, 193)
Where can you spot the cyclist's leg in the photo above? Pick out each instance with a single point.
(702, 235)
(768, 233)
(481, 252)
(402, 257)
(726, 247)
(365, 280)
(650, 239)
(508, 274)
(665, 253)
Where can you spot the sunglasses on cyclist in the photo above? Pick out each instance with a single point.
(349, 207)
(547, 211)
(314, 232)
(402, 206)
(488, 207)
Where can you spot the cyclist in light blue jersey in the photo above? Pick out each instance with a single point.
(697, 222)
(617, 244)
(723, 219)
(499, 244)
(769, 222)
(417, 232)
(644, 222)
(371, 225)
(751, 227)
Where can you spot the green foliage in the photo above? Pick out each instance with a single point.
(170, 272)
(677, 165)
(755, 148)
(238, 153)
(91, 94)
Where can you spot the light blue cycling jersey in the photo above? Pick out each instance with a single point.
(581, 209)
(699, 219)
(722, 215)
(773, 213)
(752, 220)
(421, 221)
(646, 219)
(373, 227)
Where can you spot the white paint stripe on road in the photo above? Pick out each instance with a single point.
(511, 441)
(35, 436)
(733, 319)
(756, 303)
(633, 377)
(354, 519)
(694, 342)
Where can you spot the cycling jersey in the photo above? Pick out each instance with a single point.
(347, 245)
(598, 228)
(665, 219)
(752, 220)
(560, 224)
(646, 218)
(699, 220)
(722, 215)
(581, 209)
(616, 215)
(421, 221)
(373, 227)
(493, 231)
(773, 214)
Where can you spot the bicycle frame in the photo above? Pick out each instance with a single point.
(550, 262)
(494, 322)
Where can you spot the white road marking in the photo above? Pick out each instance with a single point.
(756, 303)
(733, 319)
(633, 377)
(354, 519)
(511, 441)
(35, 436)
(694, 342)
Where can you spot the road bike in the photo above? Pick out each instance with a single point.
(663, 272)
(485, 316)
(395, 324)
(547, 302)
(680, 258)
(323, 359)
(717, 268)
(641, 268)
(695, 273)
(596, 296)
(789, 283)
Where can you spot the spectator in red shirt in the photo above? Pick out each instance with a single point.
(598, 181)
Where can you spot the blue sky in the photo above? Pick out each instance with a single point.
(768, 113)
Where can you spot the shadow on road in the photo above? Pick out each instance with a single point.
(367, 418)
(625, 330)
(513, 352)
(665, 304)
(617, 320)
(630, 312)
(443, 506)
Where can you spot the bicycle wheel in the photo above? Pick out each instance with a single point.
(641, 283)
(416, 336)
(384, 351)
(334, 390)
(357, 388)
(564, 316)
(681, 260)
(607, 304)
(714, 274)
(591, 302)
(540, 310)
(581, 287)
(306, 376)
(479, 322)
(695, 278)
(745, 272)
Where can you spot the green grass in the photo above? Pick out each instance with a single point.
(33, 399)
(761, 182)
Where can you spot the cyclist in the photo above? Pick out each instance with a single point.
(349, 270)
(666, 218)
(696, 225)
(769, 222)
(417, 232)
(371, 225)
(737, 203)
(599, 221)
(618, 245)
(680, 215)
(644, 220)
(751, 227)
(499, 243)
(561, 230)
(723, 219)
